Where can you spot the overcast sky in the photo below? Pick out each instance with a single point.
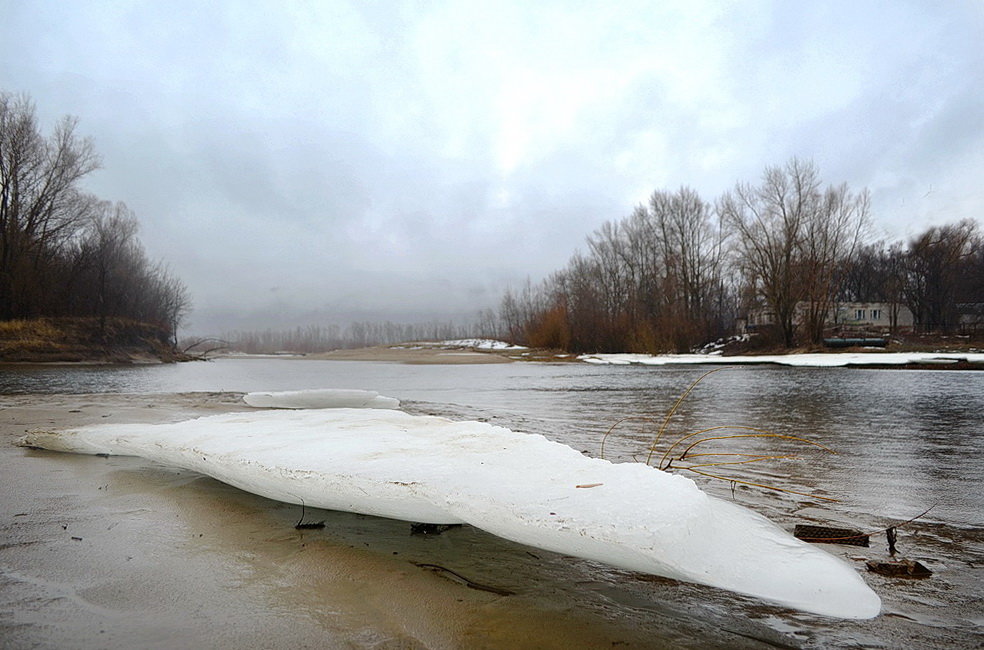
(307, 162)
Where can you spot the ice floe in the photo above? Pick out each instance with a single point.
(519, 486)
(326, 398)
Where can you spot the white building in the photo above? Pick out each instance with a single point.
(879, 316)
(850, 316)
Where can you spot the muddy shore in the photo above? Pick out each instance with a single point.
(119, 552)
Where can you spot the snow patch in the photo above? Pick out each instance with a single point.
(481, 344)
(327, 398)
(818, 360)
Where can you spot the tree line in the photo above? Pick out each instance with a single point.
(63, 251)
(679, 270)
(938, 275)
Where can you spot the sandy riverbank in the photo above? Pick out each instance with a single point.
(118, 552)
(416, 355)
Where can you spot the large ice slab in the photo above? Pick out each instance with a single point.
(522, 487)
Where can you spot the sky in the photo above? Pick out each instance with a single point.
(303, 163)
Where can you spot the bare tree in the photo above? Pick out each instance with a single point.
(834, 232)
(692, 258)
(40, 203)
(511, 317)
(644, 260)
(113, 260)
(791, 238)
(172, 300)
(607, 246)
(933, 267)
(769, 221)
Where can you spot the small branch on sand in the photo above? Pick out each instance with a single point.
(471, 584)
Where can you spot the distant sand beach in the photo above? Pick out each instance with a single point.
(417, 355)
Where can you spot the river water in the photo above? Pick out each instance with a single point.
(905, 441)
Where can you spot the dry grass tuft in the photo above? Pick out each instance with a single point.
(27, 330)
(684, 459)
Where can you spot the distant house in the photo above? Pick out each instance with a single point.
(846, 316)
(872, 316)
(754, 320)
(970, 317)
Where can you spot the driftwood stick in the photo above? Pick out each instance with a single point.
(468, 583)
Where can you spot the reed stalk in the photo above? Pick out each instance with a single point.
(667, 460)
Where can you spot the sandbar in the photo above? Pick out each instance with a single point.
(416, 354)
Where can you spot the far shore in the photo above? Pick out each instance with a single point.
(426, 353)
(965, 357)
(436, 353)
(416, 354)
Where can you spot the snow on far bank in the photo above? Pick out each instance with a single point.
(817, 360)
(327, 398)
(519, 486)
(482, 344)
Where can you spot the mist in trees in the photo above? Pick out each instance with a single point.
(677, 272)
(64, 252)
(359, 334)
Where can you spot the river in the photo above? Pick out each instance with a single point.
(905, 441)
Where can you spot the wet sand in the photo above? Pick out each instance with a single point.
(119, 552)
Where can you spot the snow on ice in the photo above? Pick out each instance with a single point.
(328, 398)
(818, 360)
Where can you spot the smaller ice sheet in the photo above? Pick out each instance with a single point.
(324, 398)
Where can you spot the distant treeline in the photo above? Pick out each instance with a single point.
(679, 271)
(64, 252)
(321, 338)
(938, 275)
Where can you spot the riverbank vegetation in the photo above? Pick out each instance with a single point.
(680, 271)
(68, 255)
(77, 339)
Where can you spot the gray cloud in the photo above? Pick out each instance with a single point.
(302, 163)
